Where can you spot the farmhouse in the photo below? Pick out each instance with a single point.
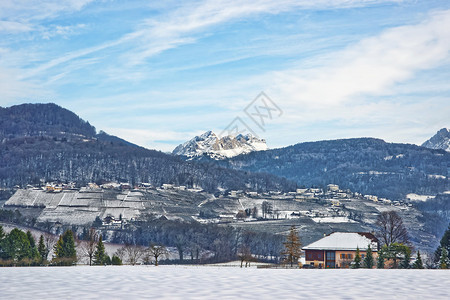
(338, 249)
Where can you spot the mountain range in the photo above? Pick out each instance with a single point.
(45, 142)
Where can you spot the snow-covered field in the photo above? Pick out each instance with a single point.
(212, 282)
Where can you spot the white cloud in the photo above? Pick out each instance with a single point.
(164, 140)
(356, 92)
(170, 30)
(14, 27)
(180, 27)
(38, 9)
(13, 89)
(372, 66)
(63, 31)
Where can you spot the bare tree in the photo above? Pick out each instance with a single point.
(134, 253)
(266, 209)
(157, 251)
(180, 243)
(120, 253)
(244, 254)
(88, 246)
(50, 241)
(391, 228)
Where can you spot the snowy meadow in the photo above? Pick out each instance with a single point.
(212, 282)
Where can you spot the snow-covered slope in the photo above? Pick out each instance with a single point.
(220, 147)
(441, 140)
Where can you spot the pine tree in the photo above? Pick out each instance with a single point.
(445, 243)
(2, 233)
(380, 260)
(443, 262)
(368, 260)
(16, 246)
(292, 247)
(116, 260)
(42, 249)
(100, 255)
(418, 263)
(405, 264)
(357, 261)
(34, 250)
(64, 249)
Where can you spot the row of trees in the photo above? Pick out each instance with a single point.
(19, 248)
(393, 253)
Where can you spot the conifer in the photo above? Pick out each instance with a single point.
(100, 255)
(368, 260)
(292, 247)
(418, 263)
(357, 261)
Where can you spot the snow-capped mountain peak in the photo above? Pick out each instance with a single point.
(220, 147)
(441, 140)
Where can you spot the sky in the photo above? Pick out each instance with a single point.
(157, 73)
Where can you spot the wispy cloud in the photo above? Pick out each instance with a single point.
(165, 72)
(372, 66)
(13, 27)
(357, 88)
(24, 10)
(180, 27)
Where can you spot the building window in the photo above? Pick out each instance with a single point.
(330, 255)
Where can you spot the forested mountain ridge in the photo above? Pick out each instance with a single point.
(47, 142)
(365, 165)
(41, 120)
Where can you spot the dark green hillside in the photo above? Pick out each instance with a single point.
(45, 141)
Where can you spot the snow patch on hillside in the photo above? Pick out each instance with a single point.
(416, 197)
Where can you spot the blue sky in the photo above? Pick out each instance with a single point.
(158, 73)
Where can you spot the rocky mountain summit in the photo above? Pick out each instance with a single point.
(441, 140)
(216, 147)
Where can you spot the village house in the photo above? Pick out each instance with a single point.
(338, 249)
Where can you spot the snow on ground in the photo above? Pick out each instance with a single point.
(416, 197)
(332, 220)
(212, 282)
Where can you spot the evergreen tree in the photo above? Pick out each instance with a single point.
(357, 260)
(2, 237)
(42, 249)
(34, 250)
(368, 260)
(418, 263)
(292, 247)
(2, 233)
(16, 246)
(116, 260)
(100, 255)
(443, 262)
(380, 260)
(405, 263)
(445, 243)
(64, 249)
(394, 252)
